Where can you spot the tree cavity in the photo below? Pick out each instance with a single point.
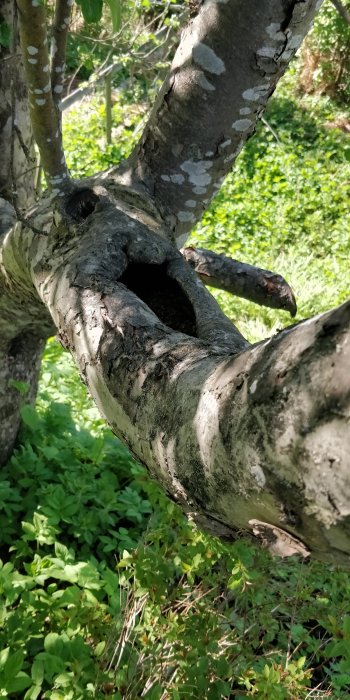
(162, 294)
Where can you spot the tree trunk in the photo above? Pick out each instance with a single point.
(245, 438)
(21, 337)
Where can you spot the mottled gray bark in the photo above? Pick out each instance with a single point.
(44, 91)
(24, 327)
(17, 161)
(247, 281)
(227, 65)
(21, 328)
(245, 438)
(251, 439)
(58, 50)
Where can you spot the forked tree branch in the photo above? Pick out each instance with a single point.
(247, 281)
(44, 116)
(251, 438)
(244, 437)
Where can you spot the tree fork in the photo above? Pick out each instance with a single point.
(251, 438)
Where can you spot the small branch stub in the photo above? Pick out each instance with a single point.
(247, 281)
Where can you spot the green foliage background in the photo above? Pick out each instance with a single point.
(106, 591)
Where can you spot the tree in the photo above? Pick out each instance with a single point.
(245, 438)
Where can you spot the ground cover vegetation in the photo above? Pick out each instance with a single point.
(106, 590)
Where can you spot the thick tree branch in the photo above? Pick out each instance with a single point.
(250, 438)
(44, 116)
(260, 286)
(232, 54)
(24, 327)
(58, 50)
(253, 438)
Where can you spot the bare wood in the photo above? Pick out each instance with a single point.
(247, 281)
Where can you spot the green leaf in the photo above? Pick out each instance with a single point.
(22, 387)
(115, 7)
(5, 35)
(155, 692)
(91, 9)
(53, 664)
(99, 649)
(62, 552)
(30, 417)
(33, 692)
(13, 665)
(20, 682)
(4, 654)
(53, 643)
(301, 662)
(37, 672)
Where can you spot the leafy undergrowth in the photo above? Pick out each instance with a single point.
(106, 590)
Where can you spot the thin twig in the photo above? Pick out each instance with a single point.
(273, 132)
(116, 66)
(25, 148)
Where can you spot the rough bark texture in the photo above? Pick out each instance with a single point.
(229, 60)
(246, 281)
(17, 161)
(252, 438)
(21, 328)
(245, 438)
(24, 326)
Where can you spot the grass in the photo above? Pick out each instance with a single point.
(106, 590)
